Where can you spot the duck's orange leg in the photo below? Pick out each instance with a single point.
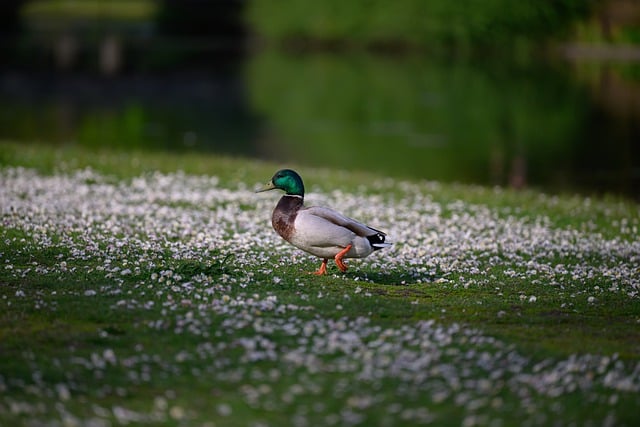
(323, 268)
(341, 265)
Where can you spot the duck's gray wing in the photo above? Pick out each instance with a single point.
(337, 218)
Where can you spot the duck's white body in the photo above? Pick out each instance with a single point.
(324, 233)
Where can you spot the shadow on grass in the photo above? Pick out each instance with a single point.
(216, 265)
(212, 267)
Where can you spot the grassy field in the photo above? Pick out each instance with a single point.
(150, 289)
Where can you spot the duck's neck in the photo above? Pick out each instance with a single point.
(284, 215)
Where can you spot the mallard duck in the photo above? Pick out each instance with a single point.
(319, 231)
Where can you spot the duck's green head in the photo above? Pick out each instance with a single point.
(287, 180)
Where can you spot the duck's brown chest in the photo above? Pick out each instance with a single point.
(284, 215)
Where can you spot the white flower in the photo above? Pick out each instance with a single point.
(224, 409)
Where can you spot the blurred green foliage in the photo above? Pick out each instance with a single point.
(591, 31)
(415, 22)
(129, 124)
(419, 117)
(90, 9)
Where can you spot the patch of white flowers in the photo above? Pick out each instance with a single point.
(124, 229)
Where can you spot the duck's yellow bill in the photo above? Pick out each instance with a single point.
(268, 186)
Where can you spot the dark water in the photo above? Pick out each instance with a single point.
(532, 124)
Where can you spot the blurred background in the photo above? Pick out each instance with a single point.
(538, 94)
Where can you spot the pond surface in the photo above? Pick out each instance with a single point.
(555, 127)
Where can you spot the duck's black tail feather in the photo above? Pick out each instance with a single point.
(377, 241)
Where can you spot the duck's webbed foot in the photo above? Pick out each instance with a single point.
(323, 268)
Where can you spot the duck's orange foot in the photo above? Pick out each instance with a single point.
(323, 268)
(338, 258)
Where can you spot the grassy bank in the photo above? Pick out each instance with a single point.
(146, 288)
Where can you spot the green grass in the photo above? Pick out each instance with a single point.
(82, 342)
